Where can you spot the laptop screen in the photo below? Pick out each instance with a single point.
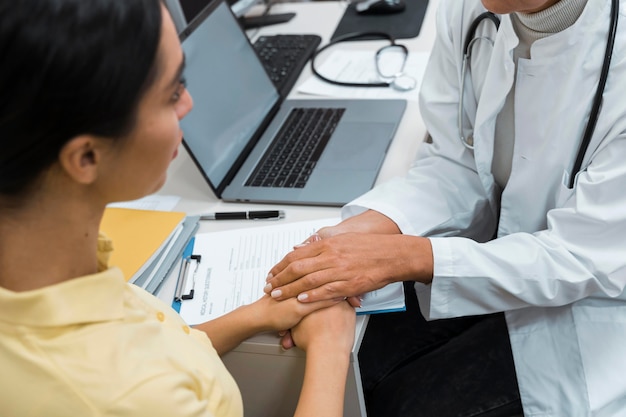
(231, 91)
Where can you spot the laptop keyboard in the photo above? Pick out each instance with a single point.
(284, 56)
(290, 160)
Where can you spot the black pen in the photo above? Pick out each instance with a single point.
(245, 215)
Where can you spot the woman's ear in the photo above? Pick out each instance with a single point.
(80, 158)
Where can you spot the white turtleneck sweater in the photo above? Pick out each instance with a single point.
(529, 28)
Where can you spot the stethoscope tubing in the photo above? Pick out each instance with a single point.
(597, 101)
(470, 39)
(357, 35)
(348, 37)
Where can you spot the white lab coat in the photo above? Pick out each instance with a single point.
(558, 266)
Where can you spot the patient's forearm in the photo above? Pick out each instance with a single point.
(228, 331)
(324, 383)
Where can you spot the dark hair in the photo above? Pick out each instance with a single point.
(69, 67)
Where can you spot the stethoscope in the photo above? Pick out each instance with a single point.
(399, 80)
(471, 39)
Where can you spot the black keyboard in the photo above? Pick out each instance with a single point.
(284, 56)
(289, 162)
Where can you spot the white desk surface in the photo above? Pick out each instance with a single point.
(184, 180)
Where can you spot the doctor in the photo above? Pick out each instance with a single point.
(522, 255)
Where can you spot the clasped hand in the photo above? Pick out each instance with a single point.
(339, 265)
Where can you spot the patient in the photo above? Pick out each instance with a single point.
(92, 95)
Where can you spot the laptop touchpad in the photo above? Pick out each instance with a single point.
(359, 146)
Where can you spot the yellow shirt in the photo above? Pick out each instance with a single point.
(98, 346)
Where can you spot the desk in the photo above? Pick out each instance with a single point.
(269, 378)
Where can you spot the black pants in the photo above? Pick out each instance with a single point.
(442, 368)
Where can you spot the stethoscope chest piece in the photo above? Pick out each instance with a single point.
(404, 83)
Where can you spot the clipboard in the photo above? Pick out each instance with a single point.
(153, 277)
(183, 284)
(221, 271)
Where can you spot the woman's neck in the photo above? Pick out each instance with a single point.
(47, 242)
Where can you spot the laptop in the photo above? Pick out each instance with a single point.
(238, 114)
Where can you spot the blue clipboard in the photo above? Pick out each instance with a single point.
(187, 253)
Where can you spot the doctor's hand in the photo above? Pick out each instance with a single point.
(349, 264)
(368, 222)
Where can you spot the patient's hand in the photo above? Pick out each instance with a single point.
(330, 329)
(327, 336)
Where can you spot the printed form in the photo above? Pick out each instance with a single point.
(234, 265)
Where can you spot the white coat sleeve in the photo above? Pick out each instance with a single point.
(581, 254)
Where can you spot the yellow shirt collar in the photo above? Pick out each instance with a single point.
(91, 298)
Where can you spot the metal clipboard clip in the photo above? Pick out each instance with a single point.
(182, 278)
